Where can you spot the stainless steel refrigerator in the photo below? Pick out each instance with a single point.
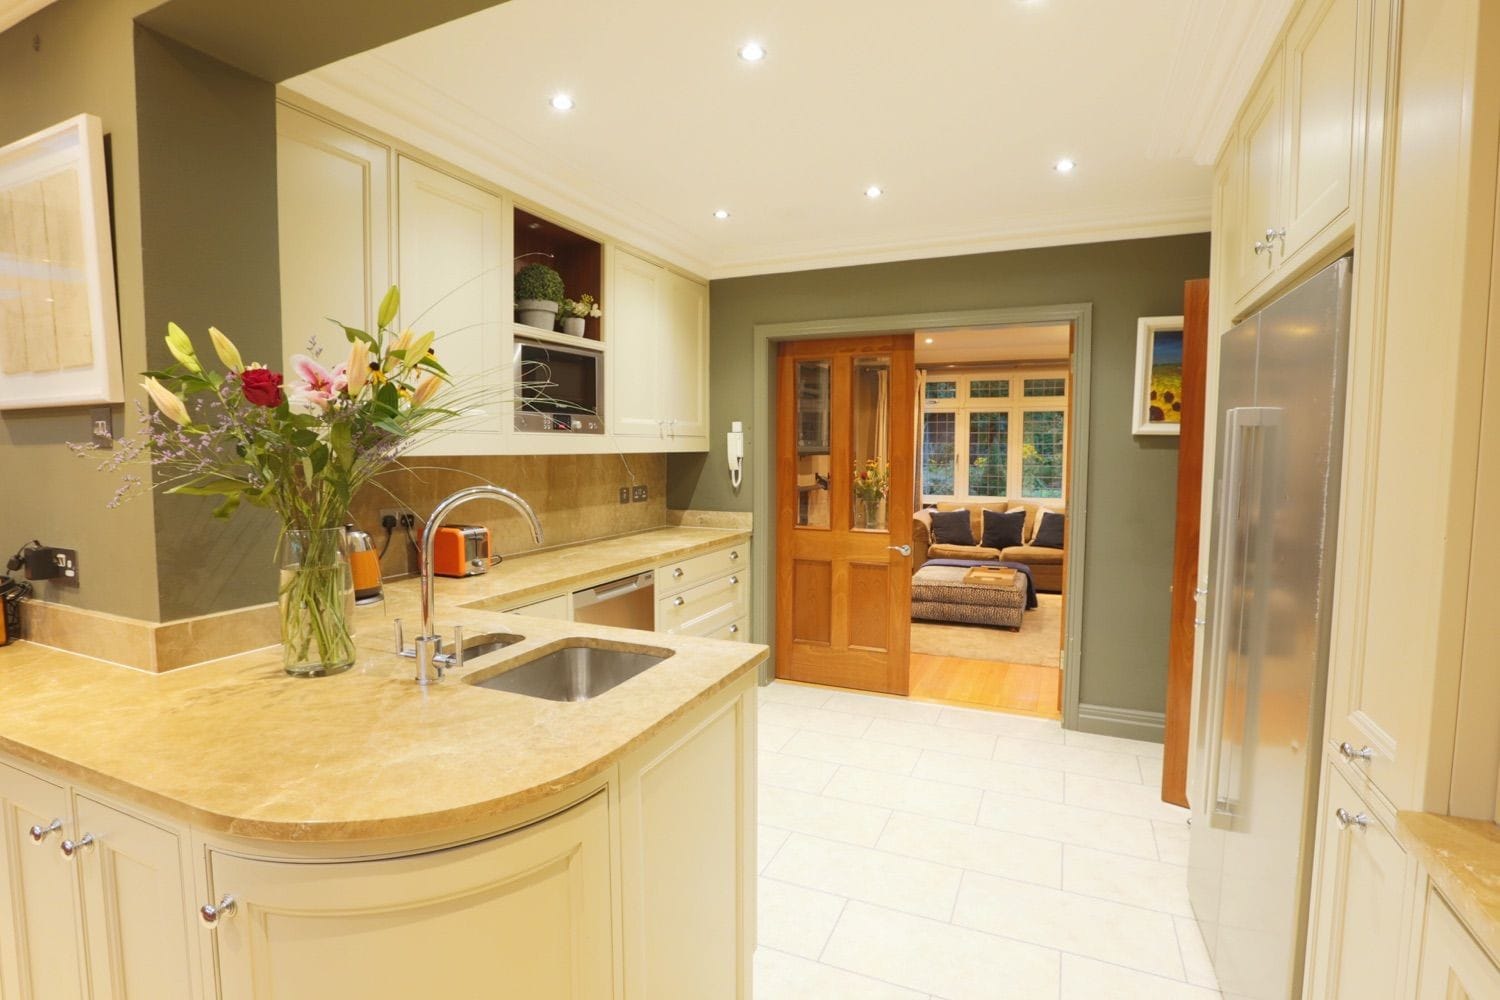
(1258, 722)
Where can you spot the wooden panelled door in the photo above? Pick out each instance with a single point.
(844, 417)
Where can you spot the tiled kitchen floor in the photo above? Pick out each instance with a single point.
(909, 851)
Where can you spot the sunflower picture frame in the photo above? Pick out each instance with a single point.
(1157, 402)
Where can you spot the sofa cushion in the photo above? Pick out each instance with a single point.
(1031, 555)
(976, 514)
(941, 551)
(1003, 530)
(1049, 530)
(951, 527)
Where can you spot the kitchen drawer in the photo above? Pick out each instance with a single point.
(678, 576)
(702, 608)
(736, 631)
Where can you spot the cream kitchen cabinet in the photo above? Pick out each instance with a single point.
(658, 352)
(525, 914)
(1451, 964)
(1255, 159)
(96, 899)
(706, 595)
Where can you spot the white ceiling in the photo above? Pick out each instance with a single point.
(983, 345)
(958, 109)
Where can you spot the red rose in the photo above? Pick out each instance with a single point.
(262, 386)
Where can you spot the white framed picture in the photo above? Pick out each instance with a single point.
(59, 331)
(1157, 403)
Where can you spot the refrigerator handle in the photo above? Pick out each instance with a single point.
(1221, 588)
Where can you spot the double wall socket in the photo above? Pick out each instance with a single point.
(638, 494)
(404, 517)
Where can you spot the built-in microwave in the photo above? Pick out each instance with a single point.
(558, 388)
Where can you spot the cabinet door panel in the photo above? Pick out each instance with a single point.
(1320, 116)
(40, 951)
(683, 356)
(1257, 148)
(1357, 933)
(523, 915)
(1453, 966)
(137, 911)
(633, 347)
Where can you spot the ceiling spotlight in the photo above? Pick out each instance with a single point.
(752, 52)
(562, 102)
(874, 191)
(722, 213)
(1064, 166)
(927, 341)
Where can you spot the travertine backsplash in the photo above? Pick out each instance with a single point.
(575, 496)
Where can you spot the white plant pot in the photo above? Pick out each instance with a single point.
(573, 325)
(540, 313)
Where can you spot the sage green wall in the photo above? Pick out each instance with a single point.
(1132, 481)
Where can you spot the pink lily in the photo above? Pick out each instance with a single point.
(316, 386)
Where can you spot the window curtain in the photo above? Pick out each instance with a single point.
(916, 431)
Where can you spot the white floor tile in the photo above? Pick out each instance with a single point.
(1154, 885)
(1123, 797)
(1087, 979)
(909, 885)
(1111, 932)
(771, 736)
(795, 920)
(993, 852)
(913, 795)
(1150, 771)
(995, 776)
(768, 840)
(1199, 968)
(1068, 824)
(800, 773)
(878, 707)
(795, 694)
(1094, 741)
(925, 736)
(800, 812)
(999, 724)
(938, 958)
(1074, 760)
(1172, 840)
(816, 720)
(853, 751)
(779, 976)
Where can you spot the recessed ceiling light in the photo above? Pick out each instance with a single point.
(1064, 166)
(752, 52)
(927, 341)
(722, 213)
(562, 102)
(874, 191)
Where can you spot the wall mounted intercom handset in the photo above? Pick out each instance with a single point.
(734, 448)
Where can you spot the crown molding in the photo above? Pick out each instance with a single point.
(13, 12)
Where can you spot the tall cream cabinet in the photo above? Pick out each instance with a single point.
(659, 346)
(359, 211)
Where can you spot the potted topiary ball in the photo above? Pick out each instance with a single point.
(539, 295)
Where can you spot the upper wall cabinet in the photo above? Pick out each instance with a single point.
(1294, 149)
(659, 345)
(333, 210)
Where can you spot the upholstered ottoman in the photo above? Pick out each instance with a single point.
(939, 593)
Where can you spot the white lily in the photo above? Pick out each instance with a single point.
(225, 349)
(359, 367)
(166, 401)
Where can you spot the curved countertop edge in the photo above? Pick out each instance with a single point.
(1462, 858)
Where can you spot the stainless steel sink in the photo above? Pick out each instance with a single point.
(576, 672)
(488, 642)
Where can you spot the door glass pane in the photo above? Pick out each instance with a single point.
(1042, 453)
(989, 388)
(940, 389)
(938, 437)
(813, 388)
(988, 449)
(870, 399)
(1045, 387)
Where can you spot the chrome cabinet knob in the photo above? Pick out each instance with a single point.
(677, 573)
(734, 555)
(1346, 819)
(734, 579)
(72, 847)
(40, 833)
(1261, 246)
(212, 913)
(1273, 235)
(733, 629)
(1350, 753)
(678, 602)
(905, 550)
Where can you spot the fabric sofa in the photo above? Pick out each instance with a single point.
(1046, 563)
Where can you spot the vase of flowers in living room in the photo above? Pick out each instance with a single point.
(302, 449)
(539, 296)
(872, 481)
(577, 312)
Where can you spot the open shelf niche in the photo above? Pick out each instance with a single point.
(577, 258)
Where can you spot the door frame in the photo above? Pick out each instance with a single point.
(764, 340)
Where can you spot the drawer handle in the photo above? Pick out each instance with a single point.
(1350, 753)
(212, 913)
(677, 573)
(734, 555)
(72, 847)
(733, 629)
(1345, 819)
(40, 833)
(678, 602)
(734, 579)
(1261, 246)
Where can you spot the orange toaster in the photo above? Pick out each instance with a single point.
(461, 550)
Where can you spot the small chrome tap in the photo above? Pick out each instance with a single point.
(428, 647)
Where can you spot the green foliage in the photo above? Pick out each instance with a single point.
(538, 281)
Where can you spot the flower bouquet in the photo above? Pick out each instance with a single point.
(872, 481)
(301, 449)
(576, 311)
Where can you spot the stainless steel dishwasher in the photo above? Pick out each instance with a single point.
(629, 602)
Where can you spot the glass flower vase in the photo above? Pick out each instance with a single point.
(316, 597)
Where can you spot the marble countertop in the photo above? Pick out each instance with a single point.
(1462, 857)
(236, 746)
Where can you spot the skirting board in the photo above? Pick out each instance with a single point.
(1130, 723)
